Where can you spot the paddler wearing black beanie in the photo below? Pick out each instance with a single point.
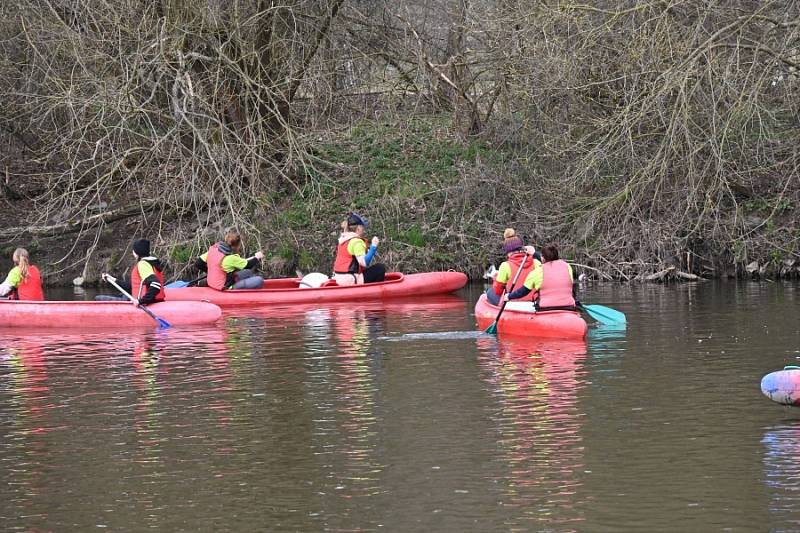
(147, 281)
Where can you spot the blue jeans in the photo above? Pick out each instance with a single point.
(245, 279)
(492, 296)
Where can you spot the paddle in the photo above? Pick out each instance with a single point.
(160, 321)
(493, 328)
(180, 284)
(603, 314)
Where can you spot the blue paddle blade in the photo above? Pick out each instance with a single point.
(179, 284)
(163, 323)
(604, 314)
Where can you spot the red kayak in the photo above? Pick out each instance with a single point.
(287, 291)
(519, 318)
(89, 314)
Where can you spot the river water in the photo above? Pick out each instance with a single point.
(348, 419)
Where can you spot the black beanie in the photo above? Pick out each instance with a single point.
(142, 248)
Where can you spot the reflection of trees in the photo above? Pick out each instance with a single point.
(539, 424)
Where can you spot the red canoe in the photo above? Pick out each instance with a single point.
(518, 318)
(89, 314)
(287, 291)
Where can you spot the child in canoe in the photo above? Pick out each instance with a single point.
(353, 263)
(23, 281)
(147, 280)
(226, 268)
(517, 256)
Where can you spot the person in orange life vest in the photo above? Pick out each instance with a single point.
(23, 281)
(353, 263)
(147, 281)
(551, 282)
(517, 255)
(227, 269)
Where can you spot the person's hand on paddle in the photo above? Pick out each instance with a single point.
(506, 298)
(375, 241)
(530, 250)
(259, 255)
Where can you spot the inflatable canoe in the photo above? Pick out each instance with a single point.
(783, 386)
(519, 319)
(89, 314)
(287, 291)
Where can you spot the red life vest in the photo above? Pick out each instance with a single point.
(30, 288)
(556, 289)
(137, 283)
(344, 262)
(217, 278)
(514, 261)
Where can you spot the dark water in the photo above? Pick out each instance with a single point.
(346, 419)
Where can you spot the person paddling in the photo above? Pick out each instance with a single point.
(551, 283)
(147, 280)
(23, 281)
(517, 256)
(229, 270)
(353, 264)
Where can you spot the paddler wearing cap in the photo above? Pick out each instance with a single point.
(517, 256)
(353, 264)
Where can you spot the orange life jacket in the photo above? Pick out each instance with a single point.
(30, 288)
(556, 289)
(216, 276)
(137, 283)
(514, 261)
(344, 262)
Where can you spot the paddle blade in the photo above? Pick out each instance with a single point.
(492, 330)
(179, 284)
(163, 323)
(604, 314)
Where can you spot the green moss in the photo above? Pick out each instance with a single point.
(305, 261)
(413, 236)
(180, 253)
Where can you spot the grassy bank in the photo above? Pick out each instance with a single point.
(438, 202)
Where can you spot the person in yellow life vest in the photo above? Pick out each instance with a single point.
(353, 264)
(551, 282)
(227, 269)
(517, 256)
(23, 281)
(147, 281)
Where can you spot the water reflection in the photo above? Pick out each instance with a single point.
(536, 385)
(343, 386)
(782, 474)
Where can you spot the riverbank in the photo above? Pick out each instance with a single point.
(436, 201)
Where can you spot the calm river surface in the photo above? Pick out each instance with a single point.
(337, 419)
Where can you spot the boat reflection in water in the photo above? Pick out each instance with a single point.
(536, 383)
(97, 409)
(782, 475)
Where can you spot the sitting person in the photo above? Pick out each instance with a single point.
(147, 280)
(517, 256)
(353, 263)
(227, 269)
(23, 281)
(551, 283)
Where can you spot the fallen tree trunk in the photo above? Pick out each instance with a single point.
(78, 225)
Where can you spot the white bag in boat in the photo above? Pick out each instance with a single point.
(313, 280)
